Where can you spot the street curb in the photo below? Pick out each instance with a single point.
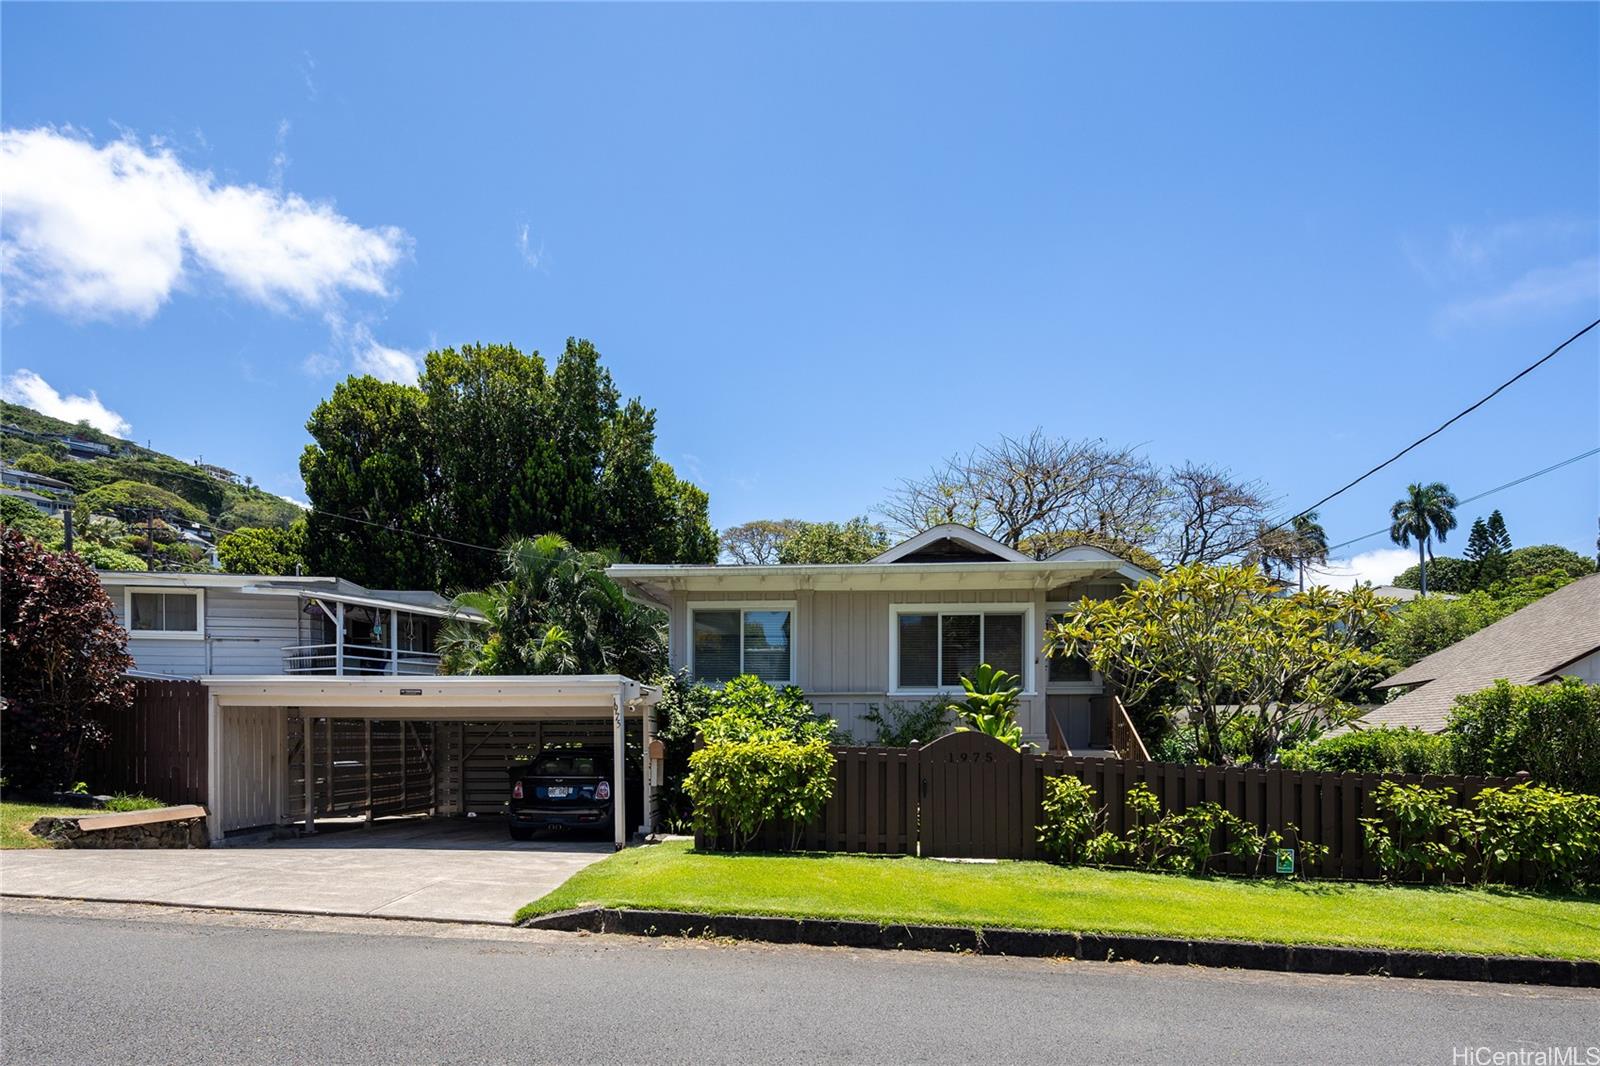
(1096, 947)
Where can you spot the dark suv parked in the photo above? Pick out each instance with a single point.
(568, 787)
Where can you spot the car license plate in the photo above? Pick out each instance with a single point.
(560, 791)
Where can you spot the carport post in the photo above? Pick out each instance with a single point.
(619, 775)
(213, 768)
(646, 732)
(307, 731)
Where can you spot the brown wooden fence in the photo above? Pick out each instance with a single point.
(968, 795)
(157, 745)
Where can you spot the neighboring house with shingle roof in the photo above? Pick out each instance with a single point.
(1557, 636)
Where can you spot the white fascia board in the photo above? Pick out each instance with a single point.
(362, 601)
(535, 696)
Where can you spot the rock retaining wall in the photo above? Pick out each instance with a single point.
(172, 827)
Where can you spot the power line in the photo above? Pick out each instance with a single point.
(1487, 492)
(1446, 424)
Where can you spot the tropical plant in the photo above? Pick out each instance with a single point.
(1418, 834)
(555, 612)
(1485, 554)
(1228, 651)
(747, 707)
(991, 705)
(65, 656)
(1555, 833)
(1071, 819)
(1425, 512)
(898, 725)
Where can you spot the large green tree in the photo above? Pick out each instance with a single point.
(263, 550)
(854, 541)
(1423, 513)
(369, 474)
(510, 448)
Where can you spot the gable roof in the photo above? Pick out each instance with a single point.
(1528, 647)
(946, 557)
(969, 544)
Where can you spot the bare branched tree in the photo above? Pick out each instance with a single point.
(756, 543)
(1037, 491)
(1041, 494)
(1211, 515)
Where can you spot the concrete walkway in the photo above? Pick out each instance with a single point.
(455, 870)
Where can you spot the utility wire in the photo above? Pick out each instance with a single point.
(1487, 492)
(1446, 424)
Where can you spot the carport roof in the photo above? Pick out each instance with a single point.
(534, 696)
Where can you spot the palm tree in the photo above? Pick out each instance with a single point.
(556, 612)
(1425, 511)
(1311, 543)
(1292, 547)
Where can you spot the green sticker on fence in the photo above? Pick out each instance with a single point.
(1286, 860)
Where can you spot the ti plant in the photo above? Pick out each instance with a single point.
(991, 705)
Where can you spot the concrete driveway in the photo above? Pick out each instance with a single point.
(457, 869)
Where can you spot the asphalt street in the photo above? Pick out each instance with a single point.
(91, 983)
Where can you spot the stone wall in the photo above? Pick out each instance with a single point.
(184, 831)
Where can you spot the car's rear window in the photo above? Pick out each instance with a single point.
(566, 765)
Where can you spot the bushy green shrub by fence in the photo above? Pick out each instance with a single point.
(1373, 751)
(743, 706)
(742, 786)
(765, 762)
(1420, 834)
(1551, 731)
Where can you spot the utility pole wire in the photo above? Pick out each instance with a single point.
(1446, 424)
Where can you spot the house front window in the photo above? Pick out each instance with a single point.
(726, 642)
(935, 649)
(166, 614)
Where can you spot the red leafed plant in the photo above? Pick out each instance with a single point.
(62, 659)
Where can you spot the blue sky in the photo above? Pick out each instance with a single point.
(832, 244)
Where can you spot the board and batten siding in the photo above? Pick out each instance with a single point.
(842, 646)
(243, 634)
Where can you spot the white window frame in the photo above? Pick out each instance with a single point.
(198, 633)
(941, 609)
(1095, 686)
(743, 606)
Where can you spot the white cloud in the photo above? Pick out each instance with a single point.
(1377, 567)
(280, 155)
(382, 361)
(530, 255)
(106, 231)
(303, 505)
(1540, 289)
(320, 365)
(31, 390)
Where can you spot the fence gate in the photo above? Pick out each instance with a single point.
(971, 799)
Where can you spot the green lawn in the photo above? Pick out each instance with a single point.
(1034, 895)
(15, 818)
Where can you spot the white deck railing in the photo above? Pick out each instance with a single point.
(358, 660)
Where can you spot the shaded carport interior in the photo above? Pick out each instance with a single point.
(289, 750)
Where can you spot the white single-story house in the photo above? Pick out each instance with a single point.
(901, 627)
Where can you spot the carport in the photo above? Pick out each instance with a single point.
(286, 750)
